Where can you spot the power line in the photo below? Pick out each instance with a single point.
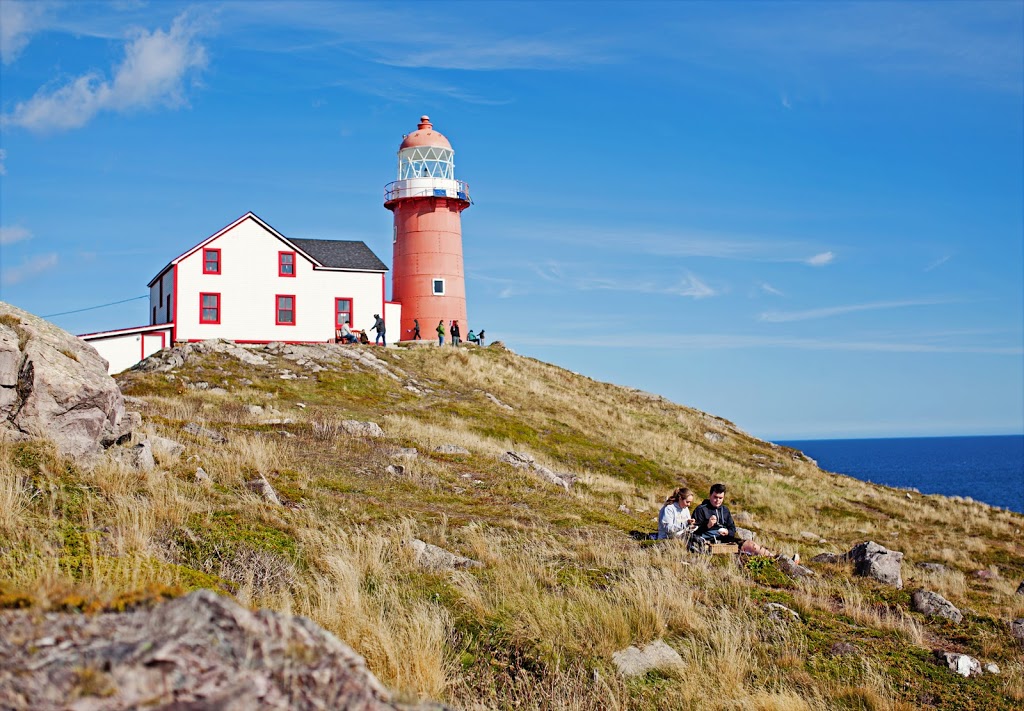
(101, 306)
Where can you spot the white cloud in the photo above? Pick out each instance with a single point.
(10, 235)
(29, 268)
(693, 287)
(769, 289)
(569, 276)
(820, 260)
(937, 263)
(3, 158)
(152, 74)
(18, 22)
(498, 53)
(787, 316)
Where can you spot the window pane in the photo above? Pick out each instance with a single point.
(284, 302)
(344, 305)
(209, 314)
(209, 301)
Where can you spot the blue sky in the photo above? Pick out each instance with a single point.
(806, 218)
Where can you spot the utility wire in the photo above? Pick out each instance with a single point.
(101, 306)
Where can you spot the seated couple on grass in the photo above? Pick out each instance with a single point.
(712, 523)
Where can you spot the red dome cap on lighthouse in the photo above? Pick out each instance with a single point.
(425, 135)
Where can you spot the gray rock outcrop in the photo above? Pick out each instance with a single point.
(1020, 588)
(436, 558)
(781, 613)
(522, 460)
(830, 558)
(265, 489)
(962, 664)
(1017, 629)
(634, 661)
(202, 651)
(498, 402)
(164, 447)
(55, 386)
(201, 432)
(932, 604)
(878, 562)
(450, 449)
(138, 457)
(362, 429)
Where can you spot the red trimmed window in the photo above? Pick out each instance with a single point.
(284, 313)
(342, 312)
(286, 264)
(211, 261)
(209, 308)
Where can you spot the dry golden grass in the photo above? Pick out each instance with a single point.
(562, 588)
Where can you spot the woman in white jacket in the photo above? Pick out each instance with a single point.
(674, 517)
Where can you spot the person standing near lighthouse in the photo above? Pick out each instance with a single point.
(427, 276)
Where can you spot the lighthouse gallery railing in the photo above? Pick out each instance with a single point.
(403, 189)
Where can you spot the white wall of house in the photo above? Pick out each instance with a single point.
(123, 349)
(248, 284)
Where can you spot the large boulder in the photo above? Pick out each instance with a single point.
(934, 605)
(55, 386)
(878, 562)
(202, 651)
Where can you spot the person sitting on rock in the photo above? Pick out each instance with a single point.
(674, 518)
(363, 338)
(714, 524)
(472, 337)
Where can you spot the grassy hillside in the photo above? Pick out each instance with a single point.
(563, 585)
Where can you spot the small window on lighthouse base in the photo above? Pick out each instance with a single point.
(438, 287)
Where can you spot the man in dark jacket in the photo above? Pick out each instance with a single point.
(378, 326)
(714, 522)
(715, 525)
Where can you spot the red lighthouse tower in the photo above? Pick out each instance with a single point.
(427, 277)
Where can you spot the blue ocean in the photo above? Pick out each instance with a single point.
(989, 469)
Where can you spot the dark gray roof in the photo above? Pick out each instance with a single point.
(341, 254)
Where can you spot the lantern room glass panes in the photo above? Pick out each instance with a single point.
(426, 162)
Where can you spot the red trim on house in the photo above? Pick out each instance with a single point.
(351, 311)
(281, 264)
(383, 295)
(173, 317)
(209, 293)
(206, 260)
(278, 309)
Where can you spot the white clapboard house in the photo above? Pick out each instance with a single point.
(250, 284)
